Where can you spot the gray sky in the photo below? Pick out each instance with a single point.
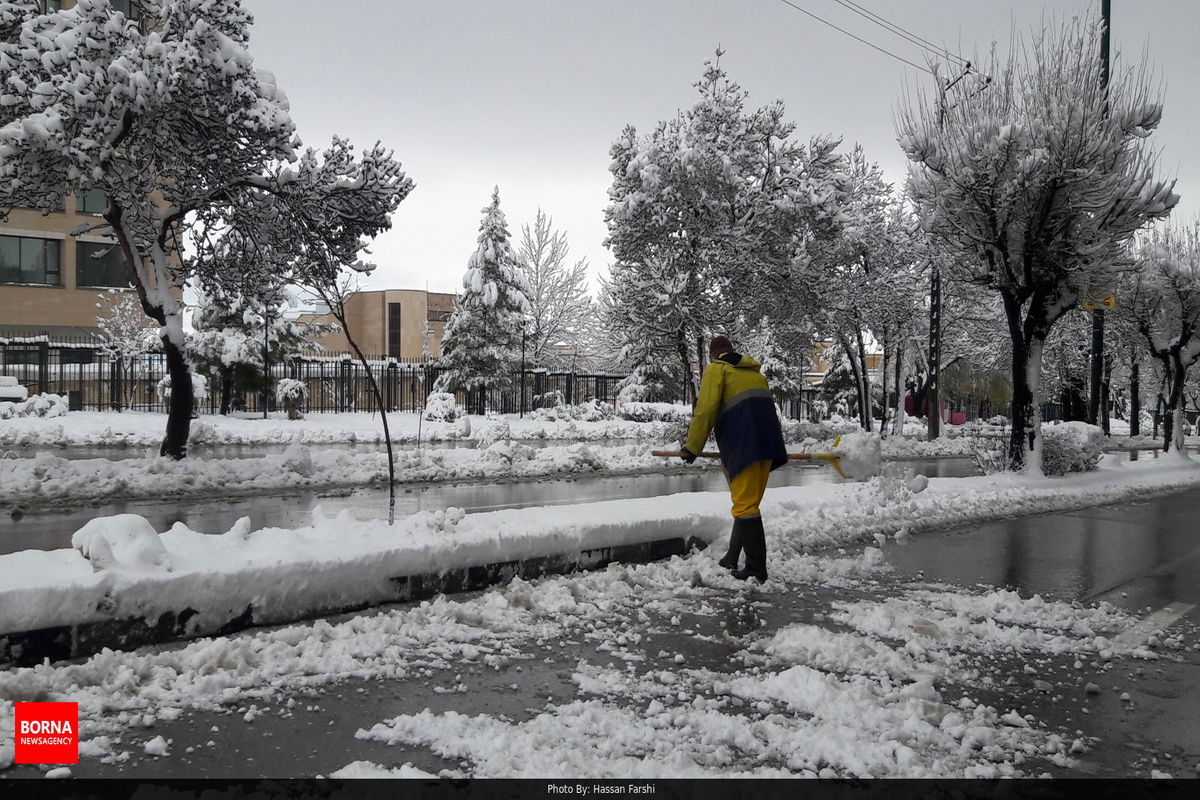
(529, 94)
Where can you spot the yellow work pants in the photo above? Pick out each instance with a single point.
(747, 488)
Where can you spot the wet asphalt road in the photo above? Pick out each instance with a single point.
(1142, 556)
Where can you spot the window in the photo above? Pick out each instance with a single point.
(393, 331)
(100, 265)
(93, 201)
(130, 8)
(50, 6)
(28, 260)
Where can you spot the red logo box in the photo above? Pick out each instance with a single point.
(46, 733)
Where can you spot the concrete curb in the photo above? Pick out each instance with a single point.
(28, 648)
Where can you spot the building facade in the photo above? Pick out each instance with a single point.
(50, 280)
(390, 323)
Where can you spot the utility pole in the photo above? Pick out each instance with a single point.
(1097, 354)
(933, 406)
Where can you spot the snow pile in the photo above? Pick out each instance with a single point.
(38, 406)
(1071, 447)
(368, 769)
(123, 542)
(654, 412)
(939, 622)
(858, 455)
(442, 407)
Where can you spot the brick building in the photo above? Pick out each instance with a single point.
(391, 323)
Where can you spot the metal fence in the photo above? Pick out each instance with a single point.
(91, 379)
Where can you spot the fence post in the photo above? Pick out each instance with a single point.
(43, 367)
(345, 389)
(393, 380)
(116, 394)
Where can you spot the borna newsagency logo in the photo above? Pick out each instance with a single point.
(46, 733)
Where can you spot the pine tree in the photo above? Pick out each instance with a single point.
(482, 344)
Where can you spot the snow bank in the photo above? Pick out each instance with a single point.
(143, 429)
(281, 574)
(48, 478)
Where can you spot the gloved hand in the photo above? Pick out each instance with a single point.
(687, 455)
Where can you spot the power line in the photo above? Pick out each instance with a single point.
(892, 27)
(856, 38)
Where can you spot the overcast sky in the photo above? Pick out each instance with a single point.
(529, 94)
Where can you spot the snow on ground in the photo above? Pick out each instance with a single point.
(800, 700)
(47, 478)
(341, 562)
(143, 429)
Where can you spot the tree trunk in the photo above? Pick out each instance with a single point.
(387, 435)
(1173, 419)
(884, 406)
(1135, 399)
(1025, 440)
(1105, 391)
(226, 389)
(179, 407)
(689, 385)
(898, 428)
(850, 358)
(868, 415)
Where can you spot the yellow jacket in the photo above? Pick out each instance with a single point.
(736, 401)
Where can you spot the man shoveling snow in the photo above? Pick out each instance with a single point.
(734, 398)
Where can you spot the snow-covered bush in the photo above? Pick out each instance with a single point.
(1071, 447)
(291, 394)
(442, 407)
(999, 421)
(40, 405)
(797, 430)
(199, 387)
(989, 455)
(594, 410)
(552, 399)
(648, 383)
(654, 412)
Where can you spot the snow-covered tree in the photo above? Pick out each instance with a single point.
(706, 215)
(170, 119)
(559, 304)
(230, 333)
(1035, 182)
(1163, 301)
(481, 347)
(124, 336)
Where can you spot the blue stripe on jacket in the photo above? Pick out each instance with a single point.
(748, 430)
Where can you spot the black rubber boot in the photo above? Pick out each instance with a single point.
(730, 560)
(754, 541)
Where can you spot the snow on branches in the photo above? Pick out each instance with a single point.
(482, 343)
(706, 216)
(172, 121)
(1035, 179)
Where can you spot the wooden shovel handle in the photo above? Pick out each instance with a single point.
(712, 454)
